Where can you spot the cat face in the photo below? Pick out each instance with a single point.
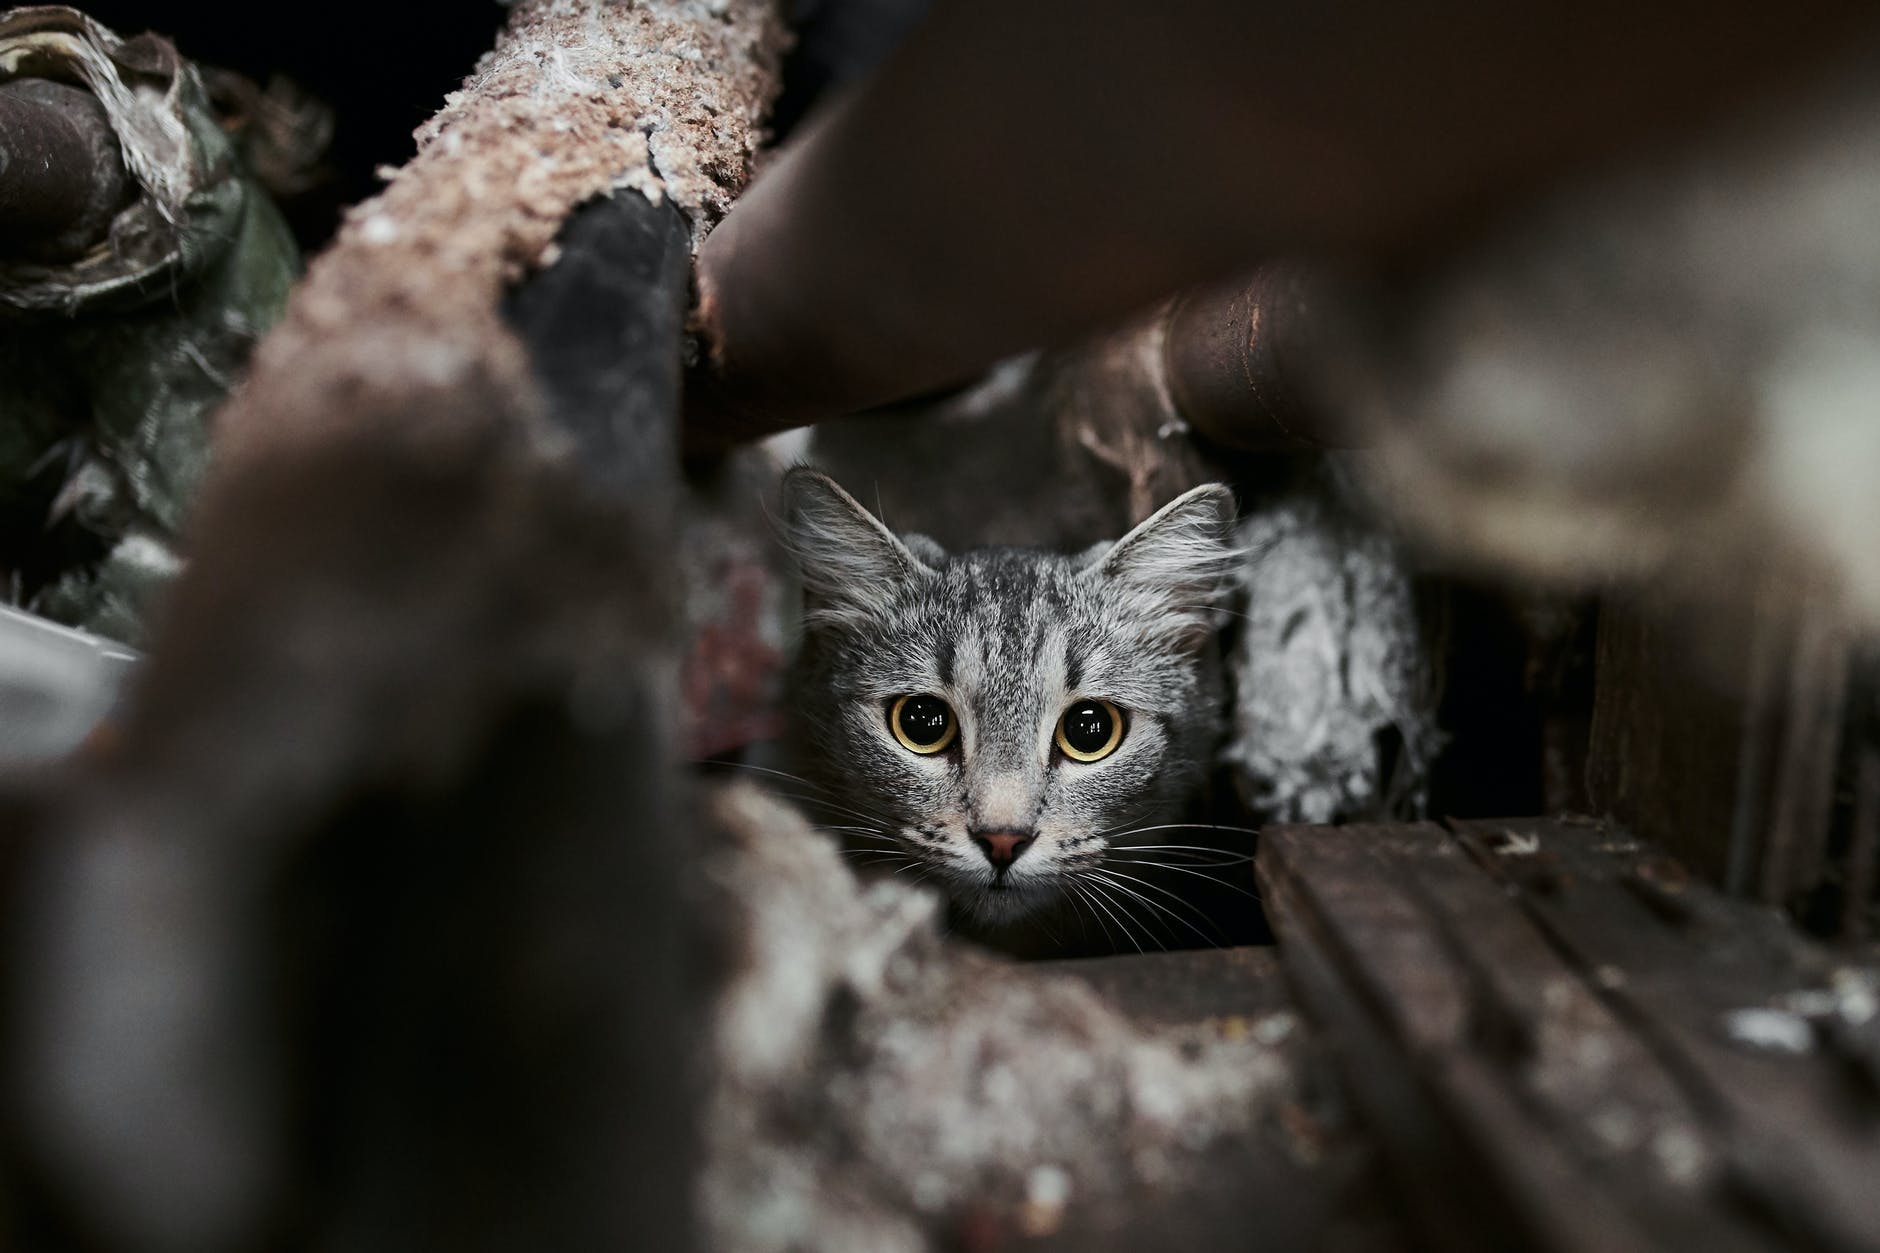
(999, 716)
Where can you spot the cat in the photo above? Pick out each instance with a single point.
(1012, 722)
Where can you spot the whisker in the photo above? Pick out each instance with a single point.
(1160, 909)
(1199, 874)
(802, 799)
(781, 774)
(1081, 894)
(1191, 826)
(868, 841)
(1149, 927)
(1116, 872)
(880, 860)
(1098, 897)
(1192, 855)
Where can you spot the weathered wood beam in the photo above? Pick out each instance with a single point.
(369, 929)
(1563, 1041)
(1725, 752)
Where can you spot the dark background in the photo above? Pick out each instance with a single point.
(383, 68)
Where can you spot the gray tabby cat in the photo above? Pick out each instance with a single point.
(1010, 720)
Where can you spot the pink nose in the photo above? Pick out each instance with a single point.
(1002, 848)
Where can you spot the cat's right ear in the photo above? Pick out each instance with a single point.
(851, 564)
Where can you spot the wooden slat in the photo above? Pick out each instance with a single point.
(1185, 987)
(1671, 754)
(1518, 1102)
(1304, 1181)
(1799, 1130)
(1863, 845)
(1719, 740)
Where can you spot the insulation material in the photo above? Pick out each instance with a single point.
(1332, 672)
(875, 1083)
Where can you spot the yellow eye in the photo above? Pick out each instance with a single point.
(1090, 730)
(923, 724)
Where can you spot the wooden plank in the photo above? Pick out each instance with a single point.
(1719, 739)
(1303, 1180)
(1863, 856)
(1518, 1105)
(1185, 987)
(1736, 1005)
(1670, 755)
(1802, 805)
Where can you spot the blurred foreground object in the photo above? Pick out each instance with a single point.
(371, 930)
(881, 1090)
(63, 179)
(1607, 298)
(1671, 373)
(137, 271)
(56, 686)
(1099, 156)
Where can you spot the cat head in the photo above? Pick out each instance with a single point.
(1000, 716)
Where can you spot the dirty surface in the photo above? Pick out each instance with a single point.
(577, 99)
(1562, 1038)
(883, 1089)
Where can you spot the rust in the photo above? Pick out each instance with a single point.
(1233, 358)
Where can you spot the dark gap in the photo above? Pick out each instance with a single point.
(382, 68)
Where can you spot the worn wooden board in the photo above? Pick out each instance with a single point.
(1719, 740)
(1306, 1180)
(1186, 987)
(1766, 1030)
(1552, 1030)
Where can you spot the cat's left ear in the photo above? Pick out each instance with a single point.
(1179, 561)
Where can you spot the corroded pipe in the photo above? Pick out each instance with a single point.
(1235, 359)
(62, 177)
(1019, 175)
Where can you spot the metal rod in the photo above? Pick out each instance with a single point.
(62, 177)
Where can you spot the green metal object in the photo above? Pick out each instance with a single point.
(111, 365)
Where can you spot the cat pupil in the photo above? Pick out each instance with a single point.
(1087, 727)
(924, 719)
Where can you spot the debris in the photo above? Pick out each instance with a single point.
(1769, 1030)
(869, 1071)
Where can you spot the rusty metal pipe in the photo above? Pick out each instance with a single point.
(1020, 174)
(1236, 360)
(62, 177)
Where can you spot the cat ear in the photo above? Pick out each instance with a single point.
(1177, 563)
(851, 564)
